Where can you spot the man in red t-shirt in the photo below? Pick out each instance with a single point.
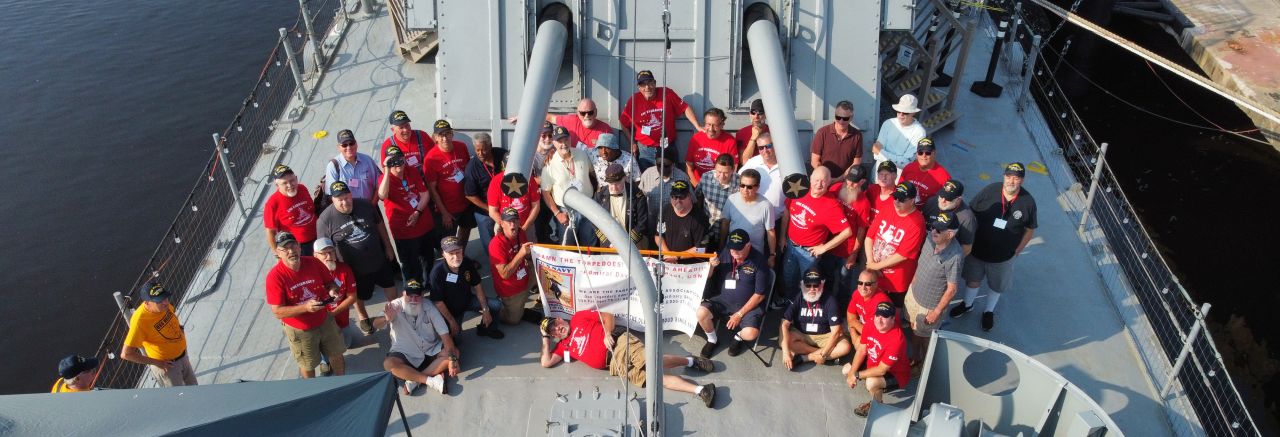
(747, 136)
(925, 173)
(527, 205)
(298, 288)
(815, 224)
(857, 209)
(414, 144)
(509, 266)
(863, 305)
(583, 126)
(881, 192)
(289, 209)
(340, 308)
(588, 337)
(445, 165)
(405, 199)
(893, 243)
(884, 351)
(649, 115)
(706, 146)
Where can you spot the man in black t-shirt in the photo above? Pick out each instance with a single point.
(454, 287)
(1006, 216)
(812, 327)
(742, 276)
(355, 226)
(686, 226)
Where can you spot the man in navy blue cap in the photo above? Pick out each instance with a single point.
(741, 275)
(936, 280)
(75, 373)
(813, 327)
(155, 329)
(1006, 216)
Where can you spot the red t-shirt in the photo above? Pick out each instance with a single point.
(927, 182)
(646, 126)
(703, 151)
(586, 340)
(502, 251)
(286, 287)
(815, 220)
(878, 204)
(579, 133)
(294, 214)
(410, 148)
(888, 348)
(890, 234)
(402, 201)
(446, 170)
(346, 280)
(865, 307)
(859, 216)
(744, 135)
(523, 204)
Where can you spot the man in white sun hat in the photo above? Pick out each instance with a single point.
(898, 136)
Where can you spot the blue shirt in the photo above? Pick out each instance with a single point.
(815, 318)
(749, 277)
(361, 177)
(476, 177)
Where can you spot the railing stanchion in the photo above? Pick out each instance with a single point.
(226, 170)
(125, 311)
(1030, 74)
(1093, 186)
(293, 65)
(318, 55)
(1186, 349)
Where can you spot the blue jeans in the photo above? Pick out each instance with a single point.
(484, 224)
(797, 259)
(648, 157)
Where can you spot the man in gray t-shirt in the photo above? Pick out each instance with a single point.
(951, 199)
(751, 212)
(937, 277)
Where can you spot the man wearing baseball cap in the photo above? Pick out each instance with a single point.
(405, 199)
(951, 200)
(567, 168)
(356, 228)
(686, 226)
(299, 288)
(1006, 215)
(880, 193)
(747, 136)
(812, 327)
(925, 172)
(893, 243)
(289, 208)
(155, 328)
(649, 118)
(357, 170)
(857, 209)
(340, 308)
(656, 182)
(413, 143)
(454, 287)
(936, 281)
(75, 374)
(422, 347)
(625, 204)
(509, 267)
(742, 276)
(445, 167)
(882, 360)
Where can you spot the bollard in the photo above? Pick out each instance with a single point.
(988, 87)
(226, 170)
(318, 54)
(1093, 186)
(1030, 73)
(293, 65)
(1186, 349)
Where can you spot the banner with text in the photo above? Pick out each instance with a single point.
(569, 281)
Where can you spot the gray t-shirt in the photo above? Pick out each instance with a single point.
(934, 271)
(756, 218)
(968, 222)
(355, 235)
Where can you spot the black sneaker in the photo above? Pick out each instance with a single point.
(735, 348)
(708, 395)
(988, 320)
(960, 310)
(704, 364)
(708, 350)
(532, 316)
(489, 331)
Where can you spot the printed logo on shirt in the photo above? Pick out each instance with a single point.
(887, 240)
(301, 217)
(1017, 214)
(801, 218)
(747, 269)
(168, 327)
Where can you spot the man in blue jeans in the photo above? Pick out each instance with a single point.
(814, 225)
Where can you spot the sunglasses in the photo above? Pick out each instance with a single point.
(866, 284)
(586, 113)
(765, 146)
(839, 118)
(813, 286)
(755, 112)
(747, 187)
(925, 153)
(346, 145)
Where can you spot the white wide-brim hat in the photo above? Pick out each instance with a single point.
(907, 104)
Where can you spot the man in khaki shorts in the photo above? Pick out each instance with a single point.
(154, 328)
(813, 326)
(936, 280)
(298, 290)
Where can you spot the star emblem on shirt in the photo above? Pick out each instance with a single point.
(514, 185)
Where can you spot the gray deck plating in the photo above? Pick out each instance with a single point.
(1059, 313)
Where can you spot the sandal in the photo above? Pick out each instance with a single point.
(863, 409)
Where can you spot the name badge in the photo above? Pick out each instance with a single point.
(646, 130)
(730, 284)
(354, 183)
(699, 250)
(413, 202)
(457, 176)
(412, 160)
(1000, 223)
(566, 355)
(811, 327)
(452, 277)
(520, 274)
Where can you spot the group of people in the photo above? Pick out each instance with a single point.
(891, 243)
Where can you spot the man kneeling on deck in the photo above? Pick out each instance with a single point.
(588, 337)
(884, 351)
(422, 348)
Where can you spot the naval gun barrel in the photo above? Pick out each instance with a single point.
(539, 82)
(775, 92)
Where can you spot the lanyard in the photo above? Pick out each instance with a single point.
(735, 269)
(811, 308)
(1003, 210)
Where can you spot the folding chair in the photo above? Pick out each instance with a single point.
(755, 350)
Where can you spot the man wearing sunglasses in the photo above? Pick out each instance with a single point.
(936, 280)
(766, 163)
(898, 135)
(1006, 215)
(583, 125)
(837, 146)
(358, 171)
(925, 172)
(747, 136)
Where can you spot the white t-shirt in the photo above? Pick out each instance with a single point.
(898, 143)
(770, 181)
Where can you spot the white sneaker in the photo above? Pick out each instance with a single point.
(436, 383)
(410, 387)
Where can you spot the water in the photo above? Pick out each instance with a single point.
(109, 110)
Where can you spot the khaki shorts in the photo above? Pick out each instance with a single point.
(815, 340)
(916, 314)
(180, 373)
(628, 359)
(307, 346)
(513, 307)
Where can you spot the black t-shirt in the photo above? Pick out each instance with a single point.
(454, 289)
(683, 233)
(749, 278)
(476, 177)
(815, 318)
(1001, 223)
(355, 235)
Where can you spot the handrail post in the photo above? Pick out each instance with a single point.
(1093, 186)
(366, 7)
(1030, 74)
(123, 304)
(1186, 349)
(311, 36)
(293, 65)
(226, 170)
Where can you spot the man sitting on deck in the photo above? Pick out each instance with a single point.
(422, 348)
(884, 351)
(454, 288)
(742, 276)
(811, 328)
(588, 337)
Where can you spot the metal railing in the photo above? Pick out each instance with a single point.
(1108, 218)
(188, 244)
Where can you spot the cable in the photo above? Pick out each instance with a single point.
(1184, 102)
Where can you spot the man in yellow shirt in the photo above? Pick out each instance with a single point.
(76, 373)
(154, 328)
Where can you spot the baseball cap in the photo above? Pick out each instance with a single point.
(560, 133)
(442, 126)
(951, 190)
(285, 237)
(394, 150)
(887, 166)
(613, 173)
(885, 309)
(74, 365)
(154, 292)
(346, 136)
(757, 105)
(398, 118)
(644, 76)
(737, 239)
(321, 243)
(414, 286)
(669, 154)
(904, 191)
(547, 127)
(680, 189)
(857, 174)
(812, 276)
(607, 141)
(338, 188)
(944, 222)
(450, 244)
(1015, 169)
(281, 171)
(925, 145)
(510, 214)
(545, 325)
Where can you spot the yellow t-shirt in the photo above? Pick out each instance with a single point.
(158, 334)
(61, 387)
